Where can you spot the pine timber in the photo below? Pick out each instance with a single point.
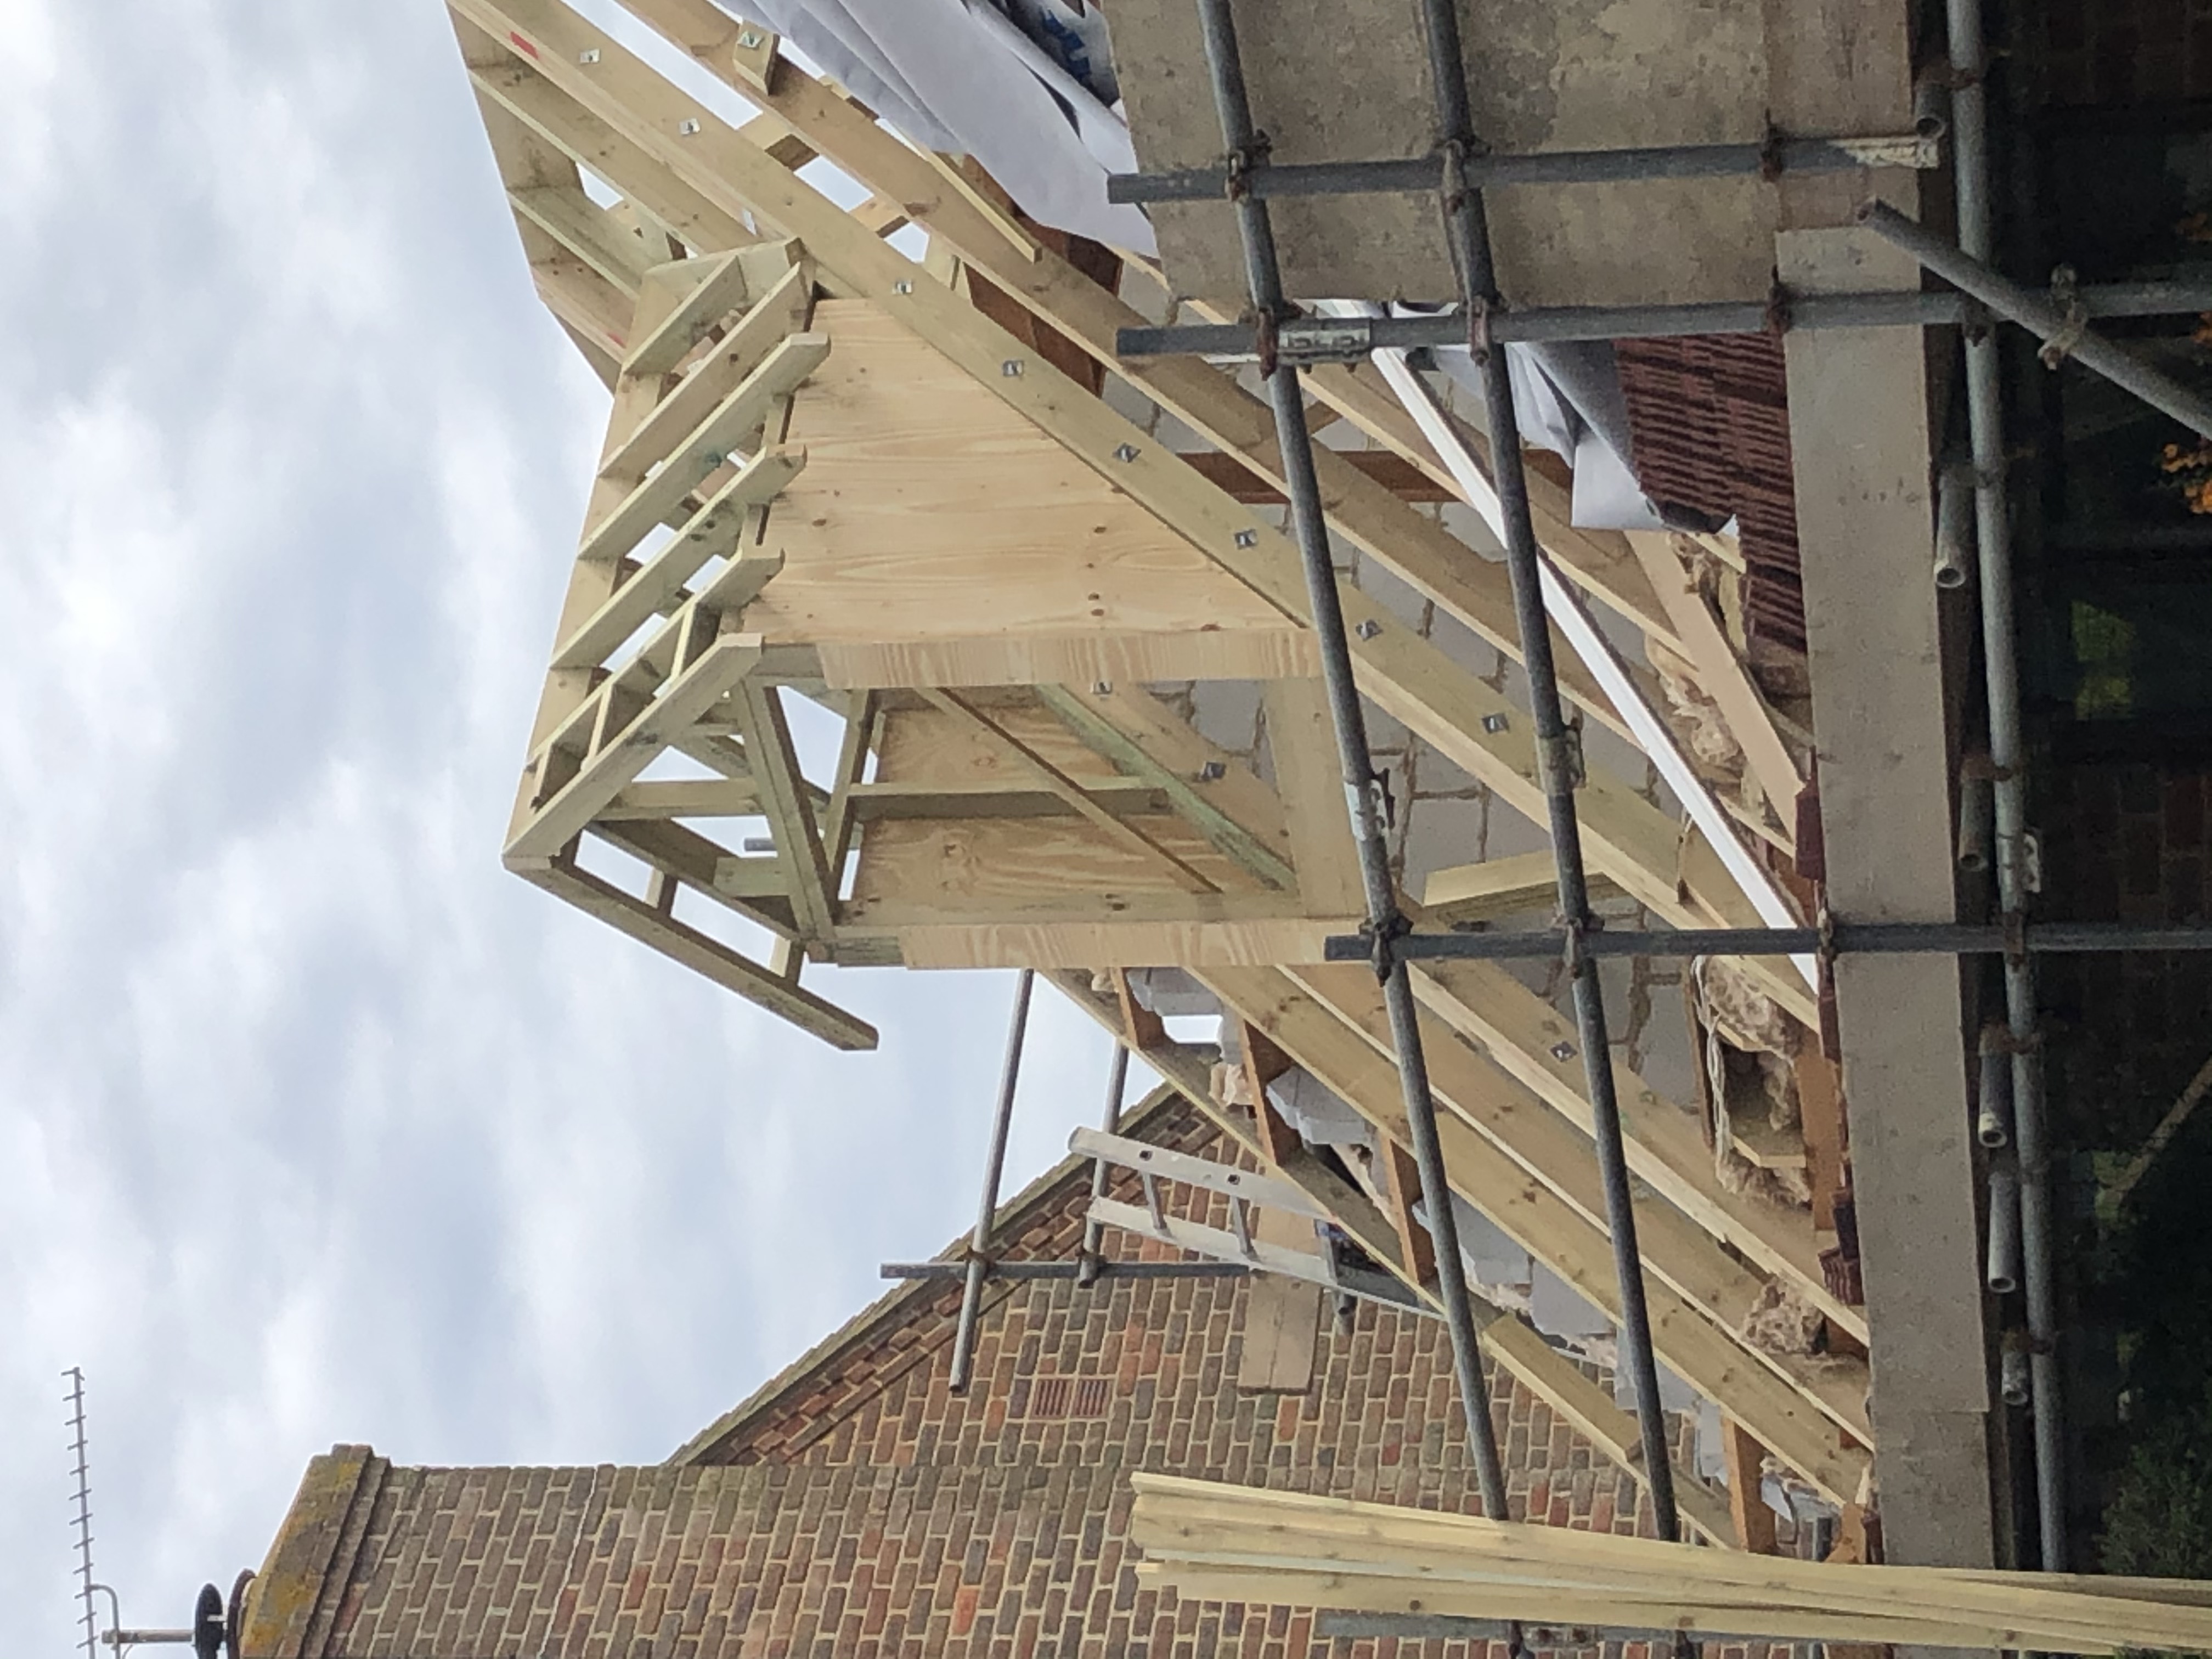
(1497, 888)
(1393, 472)
(1214, 1541)
(1522, 1034)
(1683, 1255)
(1415, 549)
(1415, 683)
(1744, 1458)
(1711, 1359)
(1720, 671)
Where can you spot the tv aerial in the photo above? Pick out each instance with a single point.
(214, 1631)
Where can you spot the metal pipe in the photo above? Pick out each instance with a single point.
(1117, 1080)
(1931, 102)
(1885, 938)
(1074, 1270)
(1275, 180)
(2181, 297)
(1993, 1113)
(2041, 317)
(1557, 750)
(1954, 524)
(994, 1168)
(2008, 755)
(2013, 1387)
(2003, 1265)
(1977, 827)
(1362, 789)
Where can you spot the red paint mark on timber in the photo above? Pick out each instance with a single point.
(524, 44)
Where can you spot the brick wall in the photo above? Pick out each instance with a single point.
(856, 1508)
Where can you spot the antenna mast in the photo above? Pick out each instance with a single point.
(76, 1398)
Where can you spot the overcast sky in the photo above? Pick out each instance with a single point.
(315, 1125)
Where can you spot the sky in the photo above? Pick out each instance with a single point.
(315, 1125)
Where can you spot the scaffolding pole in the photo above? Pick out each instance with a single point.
(1117, 1082)
(1970, 62)
(978, 1265)
(1558, 751)
(1834, 939)
(1319, 340)
(1275, 180)
(1363, 787)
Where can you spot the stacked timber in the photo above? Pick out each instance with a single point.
(1212, 1543)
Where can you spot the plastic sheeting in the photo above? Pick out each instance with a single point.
(962, 76)
(1567, 398)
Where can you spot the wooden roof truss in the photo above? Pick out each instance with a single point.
(831, 483)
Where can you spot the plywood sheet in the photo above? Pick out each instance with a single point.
(936, 538)
(1348, 80)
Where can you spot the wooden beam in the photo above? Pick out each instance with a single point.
(718, 287)
(1263, 1063)
(1393, 472)
(1403, 1186)
(1281, 1316)
(1820, 1119)
(652, 925)
(789, 807)
(586, 230)
(594, 145)
(1721, 674)
(688, 798)
(1597, 561)
(1712, 1361)
(1676, 1248)
(875, 802)
(1404, 674)
(1744, 1458)
(728, 427)
(1532, 1041)
(616, 745)
(1310, 780)
(1071, 791)
(780, 312)
(713, 532)
(1498, 887)
(593, 309)
(1217, 793)
(1209, 1540)
(1140, 1028)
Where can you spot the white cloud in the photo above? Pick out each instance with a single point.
(314, 1124)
